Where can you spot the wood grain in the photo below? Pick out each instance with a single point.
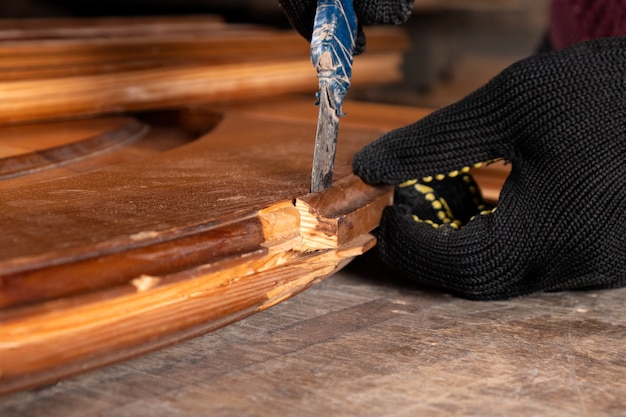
(98, 27)
(65, 341)
(33, 138)
(340, 214)
(22, 162)
(489, 178)
(192, 238)
(128, 65)
(113, 53)
(170, 87)
(368, 343)
(145, 253)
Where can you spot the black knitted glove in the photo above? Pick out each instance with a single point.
(301, 14)
(560, 222)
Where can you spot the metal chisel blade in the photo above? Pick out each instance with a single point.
(332, 49)
(325, 144)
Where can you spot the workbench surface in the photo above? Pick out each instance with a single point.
(367, 343)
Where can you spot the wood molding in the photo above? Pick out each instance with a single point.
(111, 263)
(23, 162)
(120, 65)
(349, 209)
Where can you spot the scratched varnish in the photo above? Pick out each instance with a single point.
(92, 98)
(367, 343)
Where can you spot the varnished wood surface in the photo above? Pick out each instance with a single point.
(65, 138)
(112, 65)
(98, 27)
(367, 343)
(261, 152)
(188, 239)
(81, 247)
(260, 160)
(26, 149)
(489, 177)
(104, 264)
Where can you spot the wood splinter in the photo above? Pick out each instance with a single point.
(334, 217)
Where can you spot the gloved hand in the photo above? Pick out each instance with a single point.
(301, 14)
(560, 223)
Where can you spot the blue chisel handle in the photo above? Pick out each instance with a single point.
(332, 48)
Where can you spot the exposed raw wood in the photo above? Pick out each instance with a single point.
(334, 217)
(368, 343)
(138, 232)
(65, 340)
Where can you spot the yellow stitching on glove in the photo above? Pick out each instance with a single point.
(444, 213)
(407, 183)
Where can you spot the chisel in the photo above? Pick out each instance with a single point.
(332, 51)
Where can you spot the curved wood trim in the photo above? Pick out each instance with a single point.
(143, 254)
(192, 252)
(36, 349)
(27, 163)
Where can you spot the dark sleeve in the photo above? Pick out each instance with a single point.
(369, 12)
